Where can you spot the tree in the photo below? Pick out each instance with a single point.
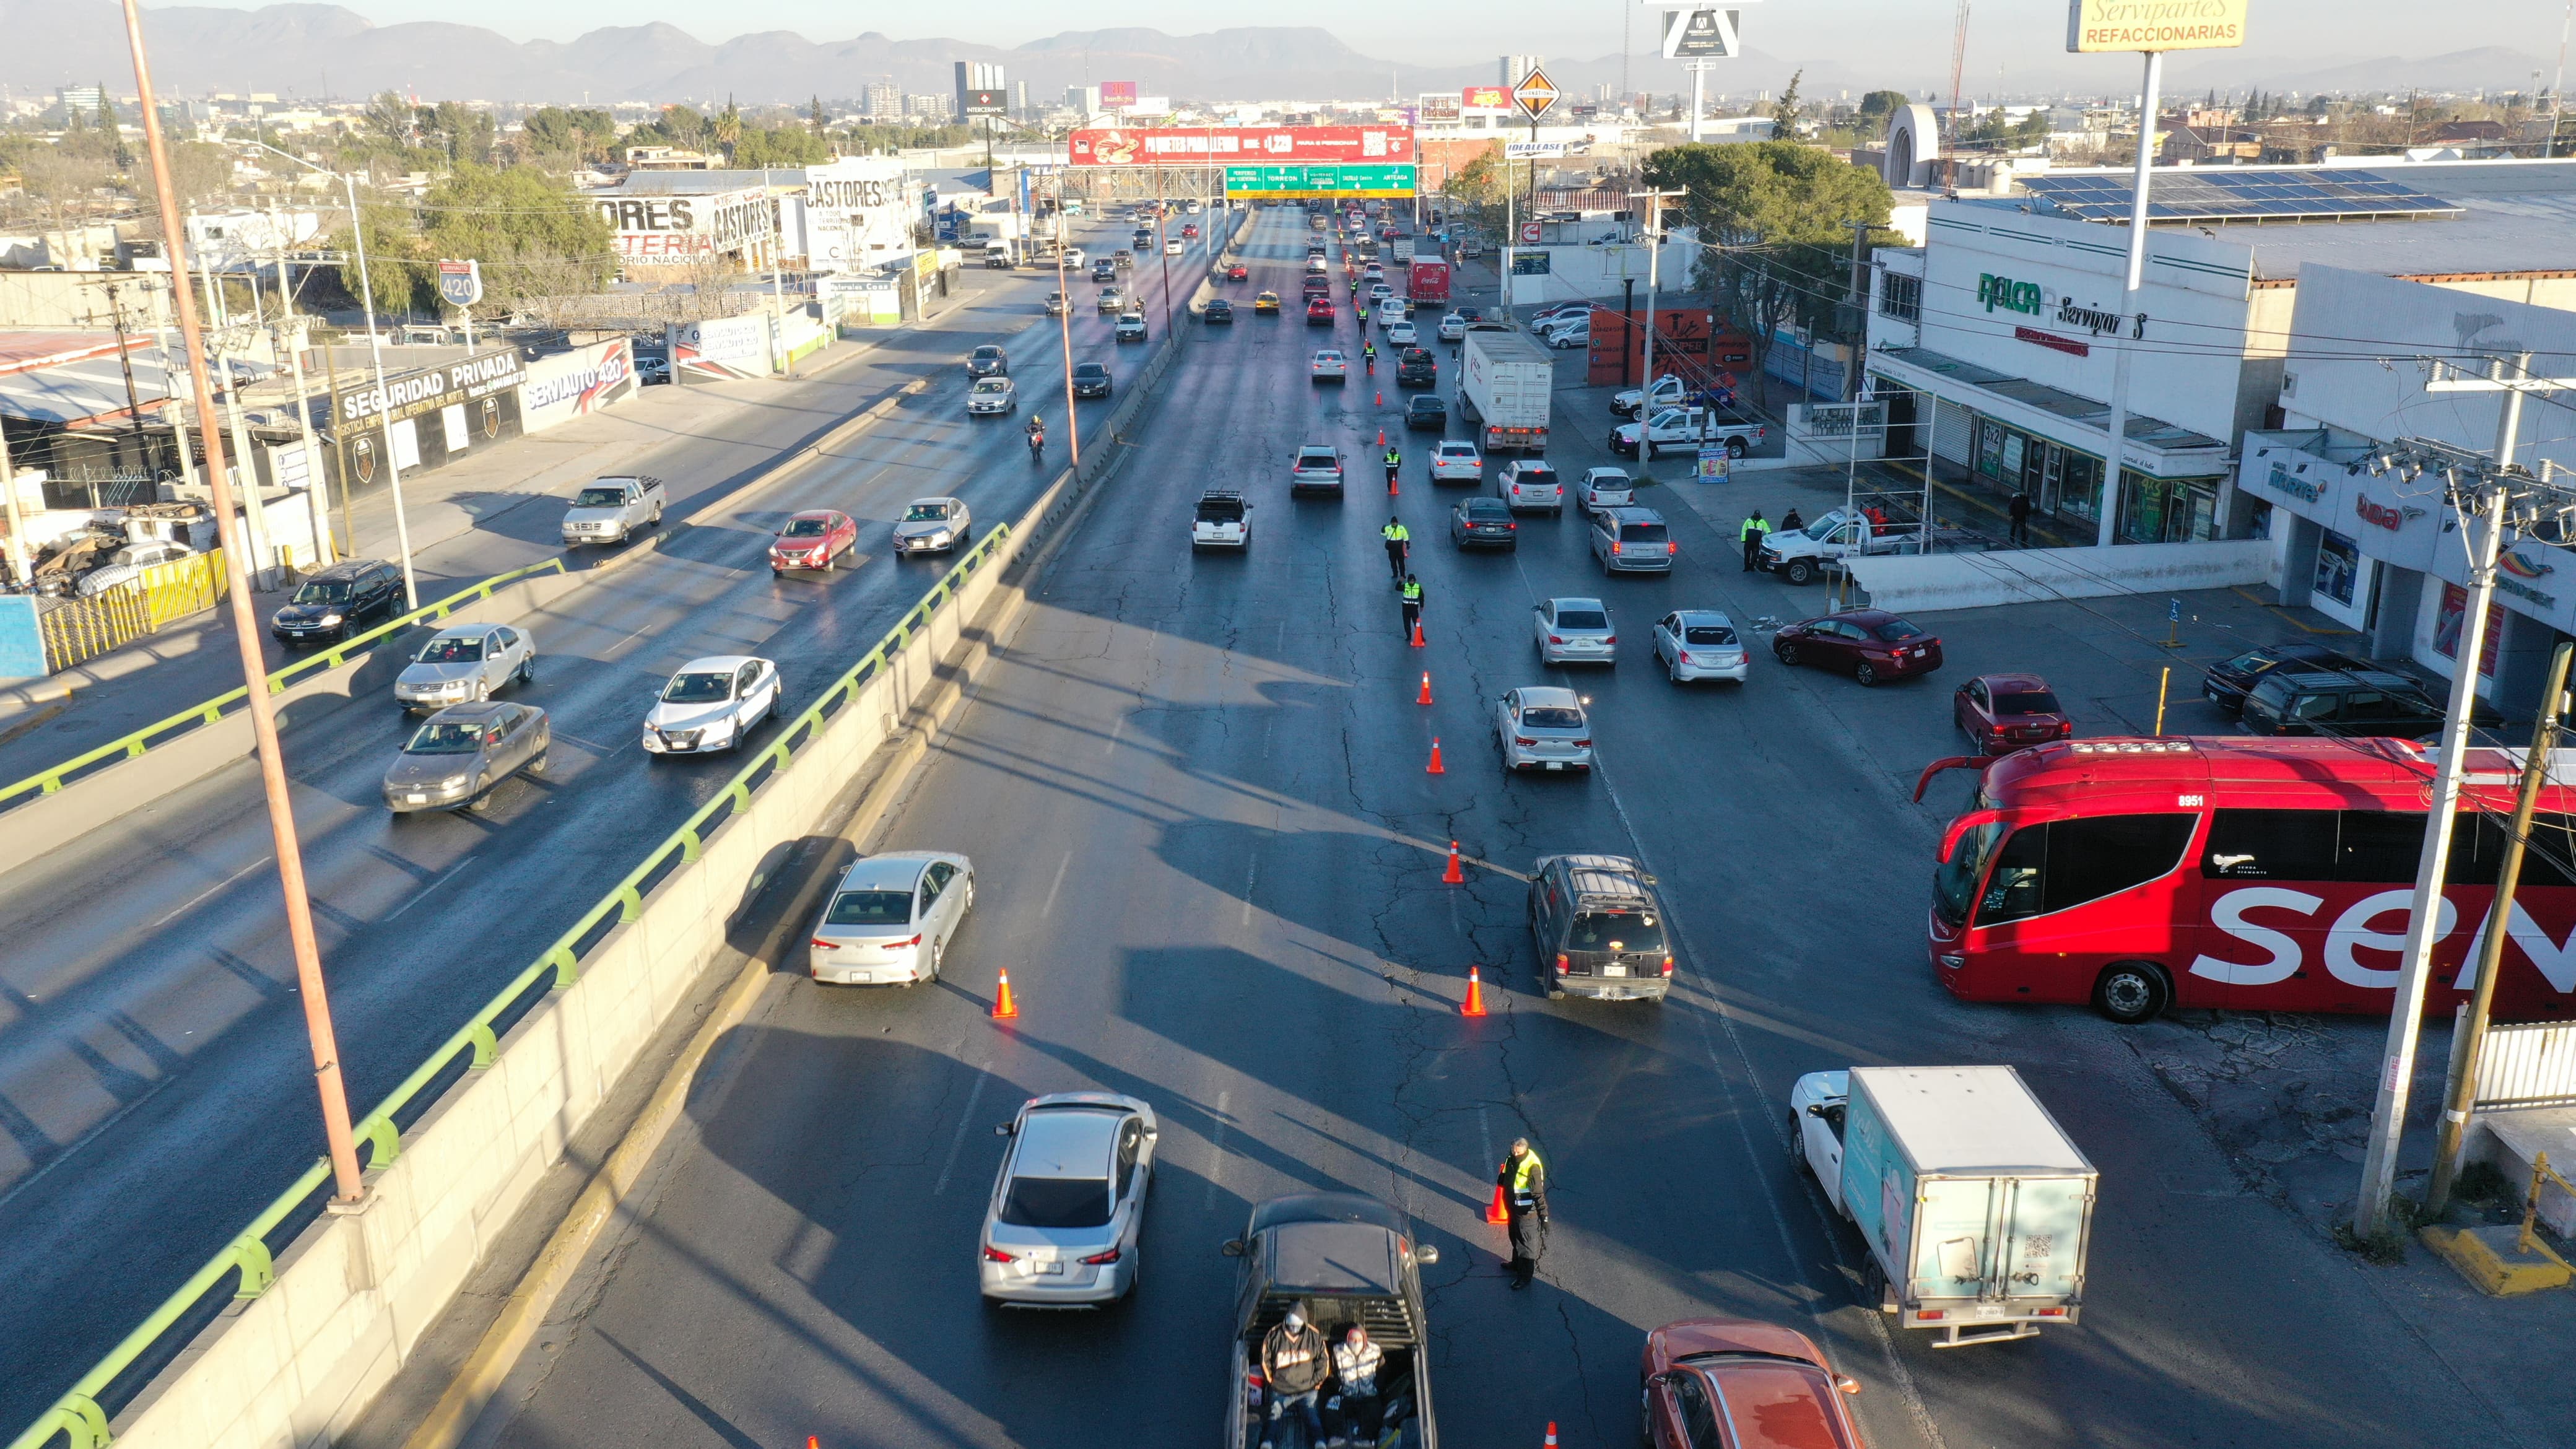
(566, 137)
(199, 171)
(1479, 187)
(1774, 220)
(1784, 116)
(728, 128)
(532, 234)
(1877, 106)
(389, 117)
(814, 114)
(780, 146)
(61, 182)
(398, 278)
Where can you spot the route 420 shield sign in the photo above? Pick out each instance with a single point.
(460, 283)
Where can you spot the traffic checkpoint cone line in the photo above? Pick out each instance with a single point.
(1004, 1008)
(1475, 1003)
(1495, 1212)
(1455, 876)
(1425, 696)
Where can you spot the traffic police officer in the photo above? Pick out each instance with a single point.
(1754, 529)
(1524, 1182)
(1412, 605)
(1394, 460)
(1397, 537)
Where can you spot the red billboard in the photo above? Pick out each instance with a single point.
(1216, 145)
(1117, 95)
(1485, 98)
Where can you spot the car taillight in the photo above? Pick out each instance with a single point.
(2050, 1313)
(1523, 740)
(819, 944)
(996, 1255)
(1614, 548)
(1514, 527)
(1562, 966)
(1672, 548)
(2066, 729)
(1685, 656)
(1668, 966)
(1583, 744)
(900, 945)
(1613, 639)
(1929, 1315)
(1098, 1258)
(1552, 639)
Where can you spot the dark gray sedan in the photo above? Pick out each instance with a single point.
(1483, 523)
(459, 754)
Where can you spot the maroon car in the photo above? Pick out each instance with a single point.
(1868, 644)
(1731, 1383)
(2006, 712)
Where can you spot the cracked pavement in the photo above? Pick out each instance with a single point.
(1208, 853)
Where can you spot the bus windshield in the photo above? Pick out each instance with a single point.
(1954, 882)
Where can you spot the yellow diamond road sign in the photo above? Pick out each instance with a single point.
(1534, 94)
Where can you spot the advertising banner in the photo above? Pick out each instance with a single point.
(858, 213)
(1700, 34)
(410, 394)
(727, 347)
(1438, 108)
(667, 230)
(575, 384)
(876, 301)
(1267, 183)
(2095, 25)
(1117, 95)
(979, 102)
(1531, 150)
(1485, 100)
(1201, 145)
(423, 419)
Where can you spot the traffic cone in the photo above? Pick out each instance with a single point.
(1390, 485)
(1551, 1435)
(1436, 767)
(1454, 876)
(1475, 1001)
(1377, 399)
(1004, 1008)
(1494, 1211)
(1417, 634)
(1425, 696)
(1381, 437)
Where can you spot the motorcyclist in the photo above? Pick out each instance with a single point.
(1037, 436)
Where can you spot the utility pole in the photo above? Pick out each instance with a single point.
(2490, 487)
(2115, 433)
(317, 491)
(1064, 326)
(348, 1187)
(1860, 318)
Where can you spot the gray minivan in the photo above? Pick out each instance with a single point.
(1599, 929)
(1632, 540)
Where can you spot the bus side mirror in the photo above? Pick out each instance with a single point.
(1425, 1254)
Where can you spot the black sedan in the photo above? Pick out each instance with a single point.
(1090, 379)
(1425, 412)
(1483, 522)
(2227, 682)
(1220, 312)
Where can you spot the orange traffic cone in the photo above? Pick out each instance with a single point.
(1551, 1435)
(1381, 437)
(1436, 767)
(1494, 1211)
(1475, 1000)
(1425, 696)
(1455, 876)
(1417, 634)
(1004, 1007)
(1378, 398)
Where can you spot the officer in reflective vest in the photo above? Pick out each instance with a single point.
(1524, 1183)
(1412, 604)
(1754, 528)
(1397, 537)
(1394, 460)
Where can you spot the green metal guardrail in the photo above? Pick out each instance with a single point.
(46, 782)
(78, 1414)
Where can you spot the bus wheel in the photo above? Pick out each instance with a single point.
(2132, 992)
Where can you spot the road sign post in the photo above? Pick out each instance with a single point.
(460, 285)
(1699, 34)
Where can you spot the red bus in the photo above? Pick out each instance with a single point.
(2255, 874)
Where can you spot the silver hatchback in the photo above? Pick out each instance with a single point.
(1543, 728)
(465, 663)
(891, 918)
(1574, 631)
(1068, 1202)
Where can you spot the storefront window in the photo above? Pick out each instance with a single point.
(2451, 620)
(2167, 510)
(1990, 448)
(2079, 495)
(2339, 564)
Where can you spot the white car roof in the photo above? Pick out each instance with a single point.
(1456, 445)
(1597, 473)
(464, 631)
(1703, 616)
(1549, 696)
(894, 870)
(916, 503)
(1334, 353)
(1067, 1141)
(717, 664)
(1563, 604)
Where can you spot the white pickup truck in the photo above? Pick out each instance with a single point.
(609, 510)
(1685, 429)
(1668, 391)
(1800, 555)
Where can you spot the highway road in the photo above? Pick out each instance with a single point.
(1208, 853)
(155, 1085)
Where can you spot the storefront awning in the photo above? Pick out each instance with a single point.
(2166, 450)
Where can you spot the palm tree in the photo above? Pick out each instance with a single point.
(729, 128)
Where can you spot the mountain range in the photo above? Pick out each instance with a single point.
(315, 51)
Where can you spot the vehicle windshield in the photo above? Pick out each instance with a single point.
(1615, 931)
(599, 498)
(1316, 458)
(698, 688)
(1535, 475)
(1220, 510)
(1090, 369)
(1954, 881)
(1582, 619)
(1897, 631)
(1551, 717)
(2036, 701)
(1707, 634)
(452, 651)
(987, 354)
(806, 528)
(1456, 450)
(1641, 533)
(869, 908)
(450, 738)
(1823, 527)
(1057, 1202)
(926, 513)
(331, 591)
(994, 384)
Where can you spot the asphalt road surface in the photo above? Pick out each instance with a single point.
(1208, 852)
(155, 1082)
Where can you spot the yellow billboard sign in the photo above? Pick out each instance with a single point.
(2093, 25)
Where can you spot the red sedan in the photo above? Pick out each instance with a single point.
(1190, 231)
(1237, 272)
(1869, 644)
(1319, 312)
(2001, 713)
(814, 539)
(1730, 1383)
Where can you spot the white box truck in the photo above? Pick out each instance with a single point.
(1503, 388)
(1976, 1207)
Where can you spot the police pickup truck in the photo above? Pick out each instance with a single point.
(1801, 555)
(1341, 1259)
(1687, 428)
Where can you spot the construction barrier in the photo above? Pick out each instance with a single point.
(79, 629)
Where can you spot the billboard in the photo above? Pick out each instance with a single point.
(1291, 182)
(982, 102)
(1485, 100)
(663, 230)
(572, 384)
(1436, 109)
(1117, 95)
(1700, 34)
(1390, 145)
(2093, 25)
(858, 213)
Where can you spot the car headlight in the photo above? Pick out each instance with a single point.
(940, 537)
(454, 782)
(327, 620)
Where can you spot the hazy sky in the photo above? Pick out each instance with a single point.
(1890, 35)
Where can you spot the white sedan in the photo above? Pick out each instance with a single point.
(1330, 365)
(1452, 327)
(1456, 461)
(1700, 644)
(1068, 1207)
(1074, 260)
(712, 704)
(1172, 248)
(1401, 334)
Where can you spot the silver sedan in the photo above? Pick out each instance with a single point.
(891, 918)
(1543, 728)
(1068, 1202)
(712, 704)
(465, 663)
(453, 761)
(933, 525)
(1574, 631)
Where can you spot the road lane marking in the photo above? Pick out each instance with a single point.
(1249, 876)
(1216, 1149)
(452, 873)
(1112, 747)
(1049, 908)
(200, 896)
(957, 1140)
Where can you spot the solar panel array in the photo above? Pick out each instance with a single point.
(2196, 194)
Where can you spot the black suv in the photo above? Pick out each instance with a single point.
(1417, 369)
(335, 601)
(1090, 379)
(1599, 929)
(1425, 412)
(2226, 682)
(2350, 702)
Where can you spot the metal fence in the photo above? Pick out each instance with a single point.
(2527, 1064)
(78, 629)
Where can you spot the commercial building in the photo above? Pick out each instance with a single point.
(1995, 343)
(882, 101)
(1516, 66)
(981, 89)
